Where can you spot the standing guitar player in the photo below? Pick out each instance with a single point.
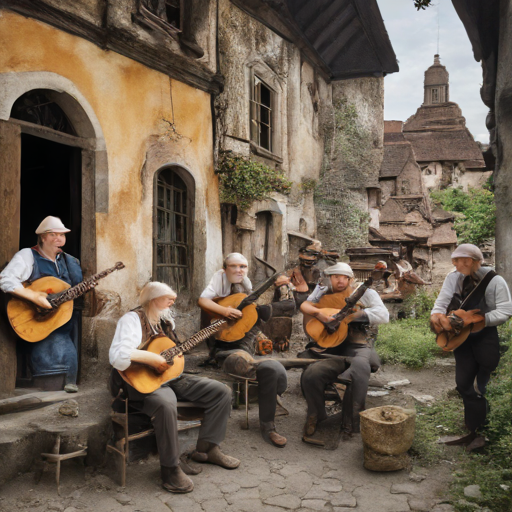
(134, 329)
(271, 375)
(479, 355)
(56, 353)
(316, 377)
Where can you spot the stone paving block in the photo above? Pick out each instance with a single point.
(343, 499)
(472, 491)
(215, 505)
(267, 490)
(316, 492)
(124, 499)
(260, 472)
(416, 477)
(205, 491)
(331, 485)
(287, 501)
(243, 494)
(404, 489)
(378, 499)
(278, 480)
(419, 505)
(298, 484)
(247, 481)
(333, 473)
(444, 507)
(342, 509)
(291, 469)
(247, 505)
(229, 488)
(180, 503)
(314, 504)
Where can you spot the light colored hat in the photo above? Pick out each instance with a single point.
(468, 251)
(236, 256)
(340, 269)
(51, 224)
(154, 290)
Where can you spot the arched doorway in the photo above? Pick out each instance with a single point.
(48, 160)
(173, 220)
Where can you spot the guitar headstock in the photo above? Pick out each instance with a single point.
(119, 265)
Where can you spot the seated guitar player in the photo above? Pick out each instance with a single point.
(271, 375)
(317, 376)
(150, 320)
(57, 353)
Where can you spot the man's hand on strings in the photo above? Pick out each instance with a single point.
(439, 322)
(232, 313)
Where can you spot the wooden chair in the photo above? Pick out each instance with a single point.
(190, 416)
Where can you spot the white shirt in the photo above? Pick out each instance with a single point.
(127, 338)
(219, 286)
(373, 306)
(497, 296)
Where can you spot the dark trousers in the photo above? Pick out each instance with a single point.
(160, 406)
(317, 376)
(475, 360)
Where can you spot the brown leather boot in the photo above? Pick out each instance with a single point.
(213, 454)
(174, 480)
(269, 434)
(310, 425)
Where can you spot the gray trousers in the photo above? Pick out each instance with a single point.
(160, 406)
(317, 376)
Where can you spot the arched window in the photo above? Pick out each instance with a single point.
(173, 221)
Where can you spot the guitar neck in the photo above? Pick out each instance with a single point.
(193, 341)
(83, 287)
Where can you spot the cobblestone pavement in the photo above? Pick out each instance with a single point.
(299, 477)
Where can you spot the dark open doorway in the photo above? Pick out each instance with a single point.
(51, 184)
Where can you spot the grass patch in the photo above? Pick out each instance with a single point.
(409, 342)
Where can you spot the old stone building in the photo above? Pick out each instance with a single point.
(292, 70)
(106, 121)
(444, 148)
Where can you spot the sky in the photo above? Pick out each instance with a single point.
(413, 35)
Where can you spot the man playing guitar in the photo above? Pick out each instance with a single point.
(271, 375)
(150, 320)
(318, 375)
(478, 356)
(56, 353)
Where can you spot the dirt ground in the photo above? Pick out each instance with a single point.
(299, 477)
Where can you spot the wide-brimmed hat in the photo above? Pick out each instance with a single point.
(340, 269)
(51, 224)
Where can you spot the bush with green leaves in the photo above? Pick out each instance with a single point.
(409, 342)
(478, 220)
(419, 304)
(243, 181)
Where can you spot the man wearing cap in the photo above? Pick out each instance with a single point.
(364, 358)
(58, 352)
(271, 375)
(150, 320)
(489, 302)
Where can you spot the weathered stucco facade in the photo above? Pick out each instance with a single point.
(131, 122)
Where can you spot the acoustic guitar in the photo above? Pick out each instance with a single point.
(33, 323)
(335, 332)
(237, 329)
(145, 379)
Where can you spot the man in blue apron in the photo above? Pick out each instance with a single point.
(58, 352)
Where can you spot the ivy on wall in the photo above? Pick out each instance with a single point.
(243, 181)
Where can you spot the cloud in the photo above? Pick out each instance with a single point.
(414, 37)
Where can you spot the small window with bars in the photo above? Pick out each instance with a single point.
(262, 101)
(172, 250)
(435, 95)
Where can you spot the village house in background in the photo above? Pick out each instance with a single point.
(116, 112)
(444, 148)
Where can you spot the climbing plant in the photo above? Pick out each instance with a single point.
(243, 180)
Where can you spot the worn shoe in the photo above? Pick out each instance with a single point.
(174, 480)
(187, 467)
(71, 388)
(215, 456)
(310, 425)
(269, 434)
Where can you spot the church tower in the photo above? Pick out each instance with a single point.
(436, 84)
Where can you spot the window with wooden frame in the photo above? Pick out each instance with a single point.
(161, 15)
(172, 251)
(262, 114)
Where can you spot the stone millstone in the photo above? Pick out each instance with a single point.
(387, 433)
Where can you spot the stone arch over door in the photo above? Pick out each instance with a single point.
(89, 143)
(173, 225)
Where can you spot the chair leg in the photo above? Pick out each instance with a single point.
(246, 405)
(57, 477)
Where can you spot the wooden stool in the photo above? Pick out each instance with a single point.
(246, 382)
(188, 417)
(58, 457)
